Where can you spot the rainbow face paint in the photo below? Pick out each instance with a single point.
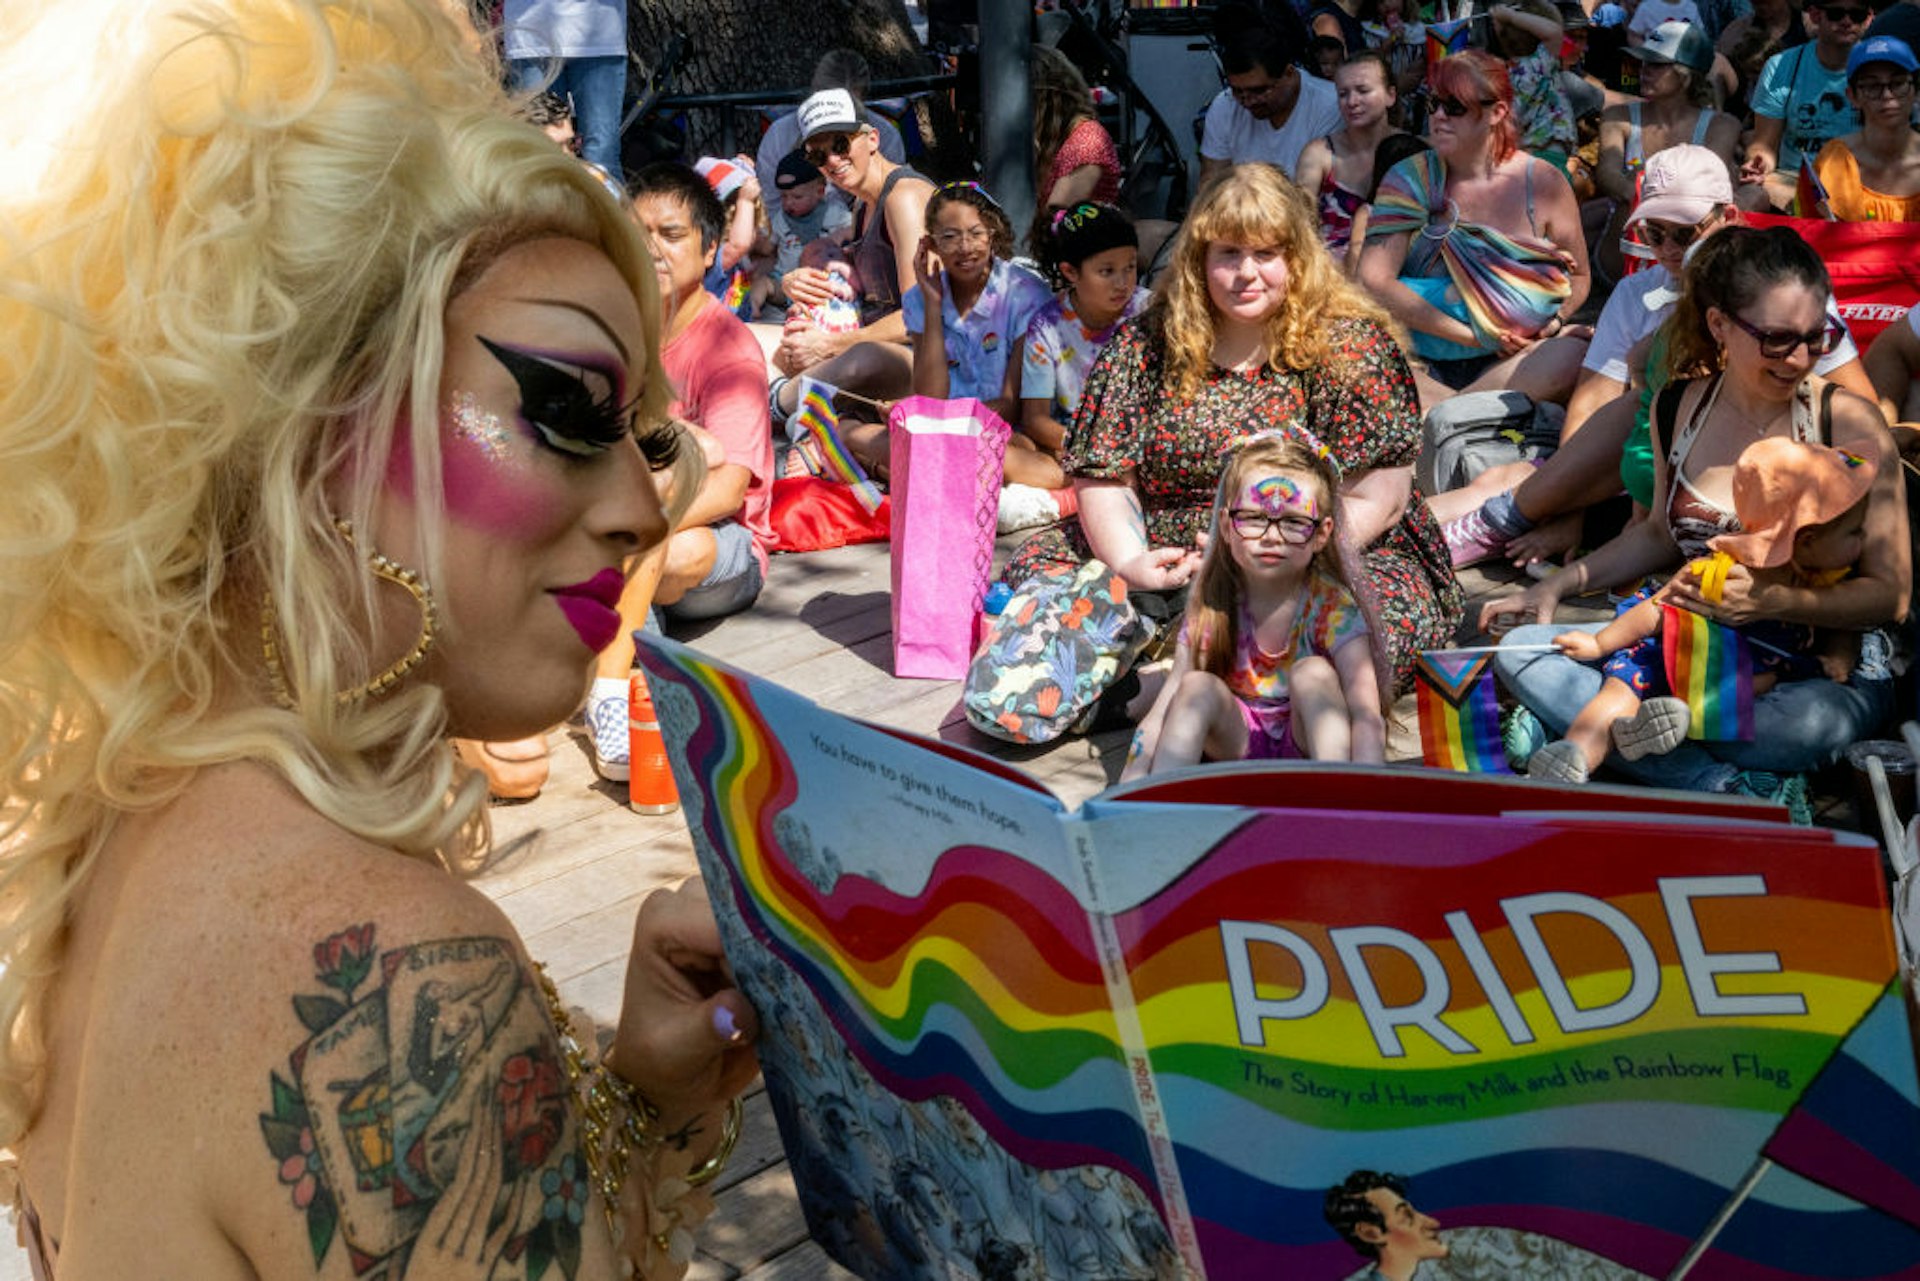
(1279, 495)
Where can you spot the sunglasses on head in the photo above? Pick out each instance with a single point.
(1776, 344)
(1456, 108)
(1846, 14)
(838, 144)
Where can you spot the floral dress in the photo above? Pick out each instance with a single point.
(1360, 402)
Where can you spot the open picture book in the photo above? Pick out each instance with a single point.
(1190, 1028)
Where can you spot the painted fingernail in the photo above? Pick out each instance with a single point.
(724, 1024)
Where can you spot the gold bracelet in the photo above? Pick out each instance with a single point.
(709, 1170)
(616, 1120)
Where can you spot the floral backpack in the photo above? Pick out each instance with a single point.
(1061, 640)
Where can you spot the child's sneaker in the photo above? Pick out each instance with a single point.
(1521, 734)
(1559, 762)
(607, 722)
(1656, 729)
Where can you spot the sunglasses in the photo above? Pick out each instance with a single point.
(1855, 16)
(838, 144)
(1456, 108)
(1776, 344)
(1654, 235)
(1254, 526)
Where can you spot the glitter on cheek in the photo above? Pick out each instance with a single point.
(1275, 495)
(487, 432)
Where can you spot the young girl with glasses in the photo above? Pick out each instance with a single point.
(966, 312)
(1276, 657)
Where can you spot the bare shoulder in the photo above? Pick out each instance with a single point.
(327, 1054)
(1859, 425)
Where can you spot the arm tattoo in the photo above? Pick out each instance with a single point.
(424, 1122)
(1137, 518)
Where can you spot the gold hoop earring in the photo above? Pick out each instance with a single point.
(382, 567)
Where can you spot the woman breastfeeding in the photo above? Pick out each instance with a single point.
(1751, 322)
(1256, 329)
(1476, 247)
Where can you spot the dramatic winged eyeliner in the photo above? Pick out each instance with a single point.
(562, 409)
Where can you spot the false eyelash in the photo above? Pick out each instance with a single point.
(556, 402)
(659, 444)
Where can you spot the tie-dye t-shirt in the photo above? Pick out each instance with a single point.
(1328, 618)
(1059, 351)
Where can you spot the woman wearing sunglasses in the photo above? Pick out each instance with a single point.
(1530, 514)
(1676, 81)
(1751, 322)
(889, 220)
(1476, 247)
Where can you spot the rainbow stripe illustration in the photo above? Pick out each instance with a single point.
(1459, 712)
(817, 419)
(1712, 668)
(1856, 1129)
(1582, 1026)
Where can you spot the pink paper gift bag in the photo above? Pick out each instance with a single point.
(945, 459)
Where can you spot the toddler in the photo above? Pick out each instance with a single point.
(1799, 505)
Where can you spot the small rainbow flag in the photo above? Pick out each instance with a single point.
(817, 420)
(1810, 194)
(1712, 668)
(1444, 38)
(1459, 711)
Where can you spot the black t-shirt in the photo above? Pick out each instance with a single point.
(1900, 20)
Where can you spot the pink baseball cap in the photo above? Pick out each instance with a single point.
(1781, 487)
(1682, 185)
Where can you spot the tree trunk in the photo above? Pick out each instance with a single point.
(736, 45)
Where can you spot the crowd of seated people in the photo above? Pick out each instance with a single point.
(1373, 234)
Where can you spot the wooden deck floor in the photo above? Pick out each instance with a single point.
(574, 863)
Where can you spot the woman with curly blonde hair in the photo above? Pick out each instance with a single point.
(330, 416)
(1253, 327)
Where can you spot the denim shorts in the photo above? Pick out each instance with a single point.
(730, 586)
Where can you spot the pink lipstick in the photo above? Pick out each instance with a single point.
(593, 607)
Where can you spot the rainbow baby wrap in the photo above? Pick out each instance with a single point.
(1508, 284)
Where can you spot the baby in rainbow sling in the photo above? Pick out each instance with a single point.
(1799, 505)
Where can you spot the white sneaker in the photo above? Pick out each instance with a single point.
(1024, 506)
(1656, 729)
(1559, 762)
(607, 722)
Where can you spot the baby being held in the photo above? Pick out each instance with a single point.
(1800, 506)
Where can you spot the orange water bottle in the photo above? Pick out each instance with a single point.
(650, 788)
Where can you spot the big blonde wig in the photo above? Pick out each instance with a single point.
(1255, 205)
(223, 294)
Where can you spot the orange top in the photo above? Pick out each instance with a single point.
(1850, 202)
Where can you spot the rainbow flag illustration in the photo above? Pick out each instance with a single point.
(1445, 38)
(1856, 1129)
(816, 420)
(1459, 711)
(1712, 668)
(1197, 1018)
(1810, 194)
